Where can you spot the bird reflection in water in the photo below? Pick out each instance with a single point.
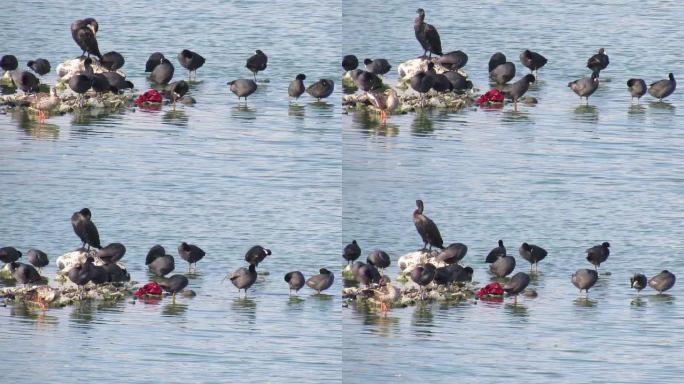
(245, 308)
(174, 309)
(422, 124)
(295, 110)
(175, 117)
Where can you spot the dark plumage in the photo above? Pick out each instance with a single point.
(98, 81)
(427, 229)
(453, 60)
(638, 282)
(495, 253)
(97, 274)
(365, 274)
(163, 72)
(321, 89)
(503, 266)
(532, 253)
(25, 80)
(496, 59)
(662, 281)
(153, 61)
(83, 33)
(9, 254)
(350, 62)
(442, 84)
(599, 61)
(322, 281)
(637, 88)
(502, 73)
(24, 273)
(377, 66)
(453, 253)
(190, 60)
(351, 252)
(295, 280)
(79, 83)
(112, 61)
(116, 273)
(37, 258)
(174, 284)
(111, 253)
(459, 83)
(443, 276)
(257, 62)
(296, 87)
(256, 254)
(516, 90)
(379, 258)
(423, 274)
(242, 87)
(243, 278)
(663, 88)
(117, 81)
(532, 60)
(159, 262)
(517, 284)
(584, 279)
(585, 86)
(9, 63)
(427, 35)
(176, 90)
(423, 81)
(461, 274)
(85, 229)
(598, 254)
(79, 275)
(365, 80)
(190, 253)
(39, 66)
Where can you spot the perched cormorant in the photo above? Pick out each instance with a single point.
(83, 32)
(427, 35)
(427, 229)
(85, 229)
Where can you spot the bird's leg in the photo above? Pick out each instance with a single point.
(515, 300)
(515, 105)
(189, 265)
(254, 73)
(173, 298)
(383, 307)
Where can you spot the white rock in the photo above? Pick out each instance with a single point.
(69, 260)
(410, 260)
(409, 68)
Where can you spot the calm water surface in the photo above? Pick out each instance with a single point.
(226, 177)
(217, 174)
(557, 174)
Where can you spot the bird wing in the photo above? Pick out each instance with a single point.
(433, 37)
(92, 234)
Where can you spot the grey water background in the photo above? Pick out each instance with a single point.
(219, 174)
(557, 174)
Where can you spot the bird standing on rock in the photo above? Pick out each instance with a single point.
(637, 88)
(532, 60)
(83, 32)
(174, 284)
(638, 282)
(295, 280)
(321, 89)
(585, 86)
(599, 61)
(517, 284)
(663, 88)
(427, 229)
(159, 262)
(243, 278)
(351, 252)
(427, 35)
(598, 254)
(85, 229)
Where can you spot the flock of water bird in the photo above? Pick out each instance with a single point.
(501, 73)
(84, 33)
(157, 260)
(501, 263)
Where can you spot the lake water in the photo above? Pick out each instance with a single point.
(557, 174)
(304, 179)
(220, 175)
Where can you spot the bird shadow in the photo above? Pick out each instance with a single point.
(174, 309)
(662, 105)
(584, 302)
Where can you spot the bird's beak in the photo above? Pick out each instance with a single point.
(92, 28)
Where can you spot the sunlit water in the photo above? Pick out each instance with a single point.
(220, 175)
(557, 174)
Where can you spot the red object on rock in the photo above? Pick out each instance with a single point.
(150, 288)
(149, 97)
(492, 96)
(491, 289)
